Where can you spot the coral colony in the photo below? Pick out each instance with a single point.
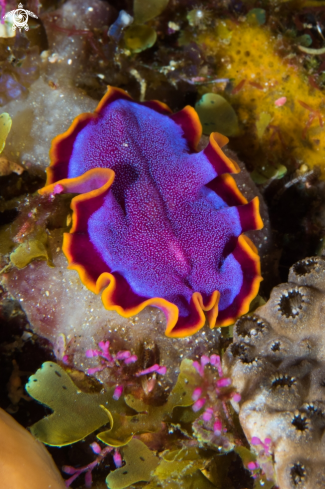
(277, 365)
(156, 223)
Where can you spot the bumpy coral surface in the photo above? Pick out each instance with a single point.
(277, 363)
(157, 222)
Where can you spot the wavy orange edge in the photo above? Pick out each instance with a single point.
(111, 92)
(229, 181)
(107, 281)
(250, 249)
(259, 224)
(218, 141)
(197, 126)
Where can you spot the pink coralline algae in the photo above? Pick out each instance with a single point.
(263, 466)
(211, 397)
(157, 223)
(87, 469)
(108, 359)
(116, 362)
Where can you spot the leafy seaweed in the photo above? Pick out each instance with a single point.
(140, 462)
(76, 414)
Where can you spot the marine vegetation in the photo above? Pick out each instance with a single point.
(156, 222)
(185, 440)
(277, 365)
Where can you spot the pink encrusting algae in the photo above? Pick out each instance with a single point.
(108, 360)
(213, 393)
(87, 469)
(116, 362)
(263, 465)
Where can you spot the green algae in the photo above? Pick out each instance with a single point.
(140, 462)
(256, 16)
(137, 38)
(190, 468)
(198, 463)
(262, 123)
(268, 172)
(145, 10)
(150, 418)
(217, 115)
(180, 463)
(76, 414)
(5, 126)
(28, 251)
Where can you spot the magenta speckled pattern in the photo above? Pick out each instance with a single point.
(164, 228)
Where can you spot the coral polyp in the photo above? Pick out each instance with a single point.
(199, 17)
(283, 399)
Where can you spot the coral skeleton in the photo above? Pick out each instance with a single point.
(277, 364)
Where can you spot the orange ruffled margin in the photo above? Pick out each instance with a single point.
(96, 182)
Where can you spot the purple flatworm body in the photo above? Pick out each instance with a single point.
(156, 222)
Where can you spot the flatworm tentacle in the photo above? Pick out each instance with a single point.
(156, 223)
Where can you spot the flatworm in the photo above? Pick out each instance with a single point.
(156, 222)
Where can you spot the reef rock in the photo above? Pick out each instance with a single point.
(277, 363)
(52, 86)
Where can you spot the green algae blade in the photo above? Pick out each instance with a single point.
(76, 414)
(145, 10)
(140, 462)
(5, 126)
